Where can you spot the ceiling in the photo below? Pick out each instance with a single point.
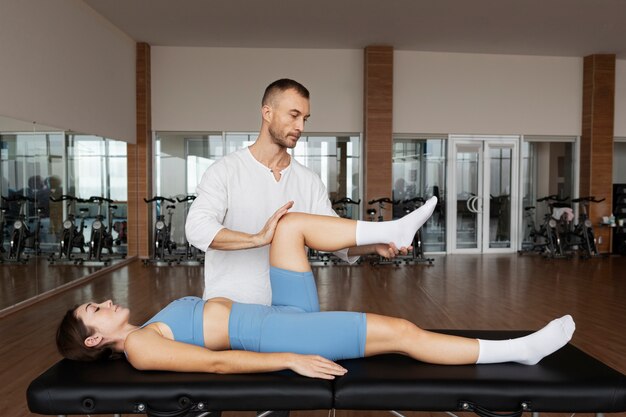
(518, 27)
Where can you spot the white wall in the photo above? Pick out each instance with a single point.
(63, 65)
(487, 94)
(220, 89)
(620, 98)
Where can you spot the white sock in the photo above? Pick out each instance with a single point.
(400, 232)
(528, 350)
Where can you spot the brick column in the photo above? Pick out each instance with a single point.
(378, 119)
(140, 161)
(596, 143)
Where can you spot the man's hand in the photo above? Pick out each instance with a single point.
(314, 366)
(390, 251)
(265, 236)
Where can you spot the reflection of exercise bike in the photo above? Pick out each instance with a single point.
(381, 208)
(341, 206)
(22, 237)
(100, 236)
(162, 233)
(417, 254)
(371, 212)
(192, 256)
(546, 239)
(317, 258)
(3, 213)
(72, 235)
(581, 236)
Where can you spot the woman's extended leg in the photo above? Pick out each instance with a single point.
(391, 335)
(327, 233)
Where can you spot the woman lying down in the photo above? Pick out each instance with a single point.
(222, 336)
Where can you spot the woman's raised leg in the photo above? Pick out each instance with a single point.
(392, 335)
(328, 233)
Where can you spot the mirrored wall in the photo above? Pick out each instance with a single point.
(51, 179)
(419, 172)
(548, 168)
(335, 158)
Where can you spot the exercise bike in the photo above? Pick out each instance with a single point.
(22, 237)
(101, 238)
(317, 258)
(72, 235)
(417, 254)
(192, 256)
(3, 214)
(547, 240)
(162, 234)
(581, 237)
(377, 259)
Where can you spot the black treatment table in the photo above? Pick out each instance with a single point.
(567, 381)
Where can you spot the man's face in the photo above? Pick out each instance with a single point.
(289, 112)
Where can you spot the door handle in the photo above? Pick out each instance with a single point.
(472, 204)
(477, 200)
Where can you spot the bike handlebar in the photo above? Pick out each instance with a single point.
(382, 200)
(182, 200)
(159, 198)
(99, 200)
(347, 200)
(414, 200)
(553, 197)
(591, 199)
(17, 197)
(68, 197)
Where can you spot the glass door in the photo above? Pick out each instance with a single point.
(482, 197)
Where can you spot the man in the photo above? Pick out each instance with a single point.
(232, 217)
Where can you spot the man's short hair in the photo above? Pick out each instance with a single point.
(281, 85)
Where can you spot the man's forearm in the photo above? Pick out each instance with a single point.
(361, 250)
(227, 239)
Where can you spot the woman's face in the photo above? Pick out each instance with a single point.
(106, 318)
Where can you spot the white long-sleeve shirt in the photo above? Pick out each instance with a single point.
(239, 193)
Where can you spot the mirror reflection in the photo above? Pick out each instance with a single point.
(63, 212)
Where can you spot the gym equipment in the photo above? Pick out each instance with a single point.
(317, 258)
(377, 259)
(581, 237)
(72, 235)
(192, 256)
(100, 234)
(417, 254)
(162, 234)
(22, 237)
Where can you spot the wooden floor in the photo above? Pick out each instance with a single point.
(24, 282)
(458, 292)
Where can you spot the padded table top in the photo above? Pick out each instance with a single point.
(70, 387)
(567, 381)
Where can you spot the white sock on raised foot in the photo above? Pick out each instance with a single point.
(528, 350)
(400, 232)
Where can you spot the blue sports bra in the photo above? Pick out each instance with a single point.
(185, 318)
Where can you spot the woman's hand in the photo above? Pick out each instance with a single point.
(265, 236)
(314, 366)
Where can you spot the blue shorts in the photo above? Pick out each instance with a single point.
(297, 327)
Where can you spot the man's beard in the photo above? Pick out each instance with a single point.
(281, 140)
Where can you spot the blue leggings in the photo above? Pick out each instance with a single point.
(293, 323)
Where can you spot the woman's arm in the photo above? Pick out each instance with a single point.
(146, 349)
